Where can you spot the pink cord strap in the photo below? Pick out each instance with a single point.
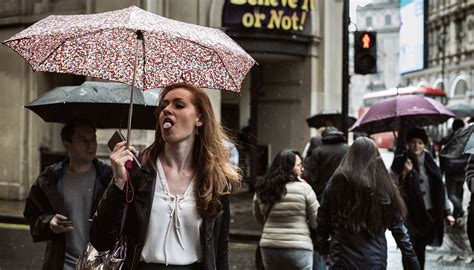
(129, 191)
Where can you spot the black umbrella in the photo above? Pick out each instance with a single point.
(461, 143)
(105, 104)
(462, 109)
(328, 119)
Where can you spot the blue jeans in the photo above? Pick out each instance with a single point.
(287, 258)
(318, 262)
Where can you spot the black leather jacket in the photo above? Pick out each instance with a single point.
(45, 200)
(321, 163)
(357, 250)
(214, 231)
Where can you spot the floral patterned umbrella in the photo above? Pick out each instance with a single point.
(104, 45)
(135, 47)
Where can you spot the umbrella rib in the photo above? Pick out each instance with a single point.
(220, 58)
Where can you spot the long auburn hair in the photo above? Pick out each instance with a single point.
(363, 194)
(215, 176)
(272, 187)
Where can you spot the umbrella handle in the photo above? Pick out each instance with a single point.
(130, 108)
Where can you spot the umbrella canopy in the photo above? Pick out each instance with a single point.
(407, 111)
(462, 109)
(461, 143)
(105, 104)
(326, 119)
(105, 45)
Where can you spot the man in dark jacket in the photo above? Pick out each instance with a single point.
(65, 196)
(321, 163)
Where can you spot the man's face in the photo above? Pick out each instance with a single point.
(83, 147)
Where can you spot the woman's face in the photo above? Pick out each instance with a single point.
(298, 168)
(416, 146)
(178, 116)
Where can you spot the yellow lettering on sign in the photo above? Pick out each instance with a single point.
(307, 4)
(238, 2)
(259, 17)
(253, 2)
(286, 23)
(274, 3)
(275, 19)
(290, 3)
(293, 3)
(302, 20)
(294, 22)
(248, 20)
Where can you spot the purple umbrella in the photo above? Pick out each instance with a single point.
(402, 111)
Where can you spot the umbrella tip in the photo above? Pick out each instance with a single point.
(139, 35)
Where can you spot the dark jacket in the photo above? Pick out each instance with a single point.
(321, 163)
(470, 215)
(104, 232)
(357, 250)
(46, 199)
(418, 219)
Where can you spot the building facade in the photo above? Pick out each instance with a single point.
(276, 96)
(450, 45)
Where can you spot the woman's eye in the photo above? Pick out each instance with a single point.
(179, 105)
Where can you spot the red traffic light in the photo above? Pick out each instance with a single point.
(365, 52)
(366, 41)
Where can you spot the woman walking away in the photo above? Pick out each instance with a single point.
(287, 207)
(424, 193)
(359, 204)
(179, 218)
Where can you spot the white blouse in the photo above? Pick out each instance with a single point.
(173, 229)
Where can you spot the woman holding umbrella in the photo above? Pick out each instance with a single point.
(179, 218)
(424, 193)
(359, 204)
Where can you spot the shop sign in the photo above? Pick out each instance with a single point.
(269, 15)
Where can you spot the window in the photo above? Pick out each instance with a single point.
(460, 89)
(368, 21)
(470, 32)
(388, 20)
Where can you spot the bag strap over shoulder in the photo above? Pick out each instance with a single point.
(268, 212)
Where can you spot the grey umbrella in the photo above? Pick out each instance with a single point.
(104, 103)
(462, 142)
(462, 109)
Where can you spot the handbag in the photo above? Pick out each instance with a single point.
(258, 253)
(112, 259)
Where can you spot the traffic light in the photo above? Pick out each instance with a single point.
(365, 52)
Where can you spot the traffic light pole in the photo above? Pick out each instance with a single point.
(345, 68)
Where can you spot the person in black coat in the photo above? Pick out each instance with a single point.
(454, 170)
(360, 202)
(321, 162)
(470, 214)
(424, 193)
